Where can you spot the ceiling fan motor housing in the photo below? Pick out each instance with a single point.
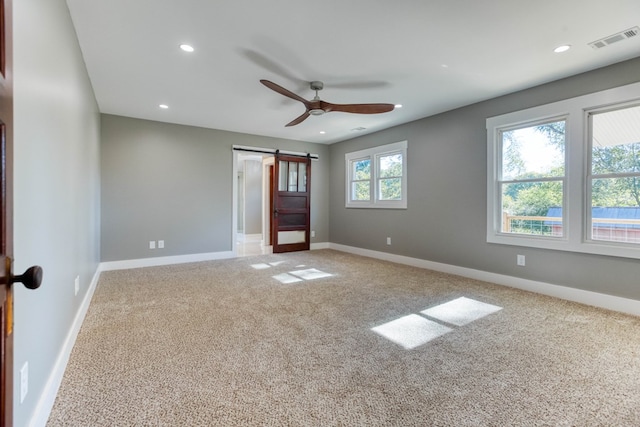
(316, 85)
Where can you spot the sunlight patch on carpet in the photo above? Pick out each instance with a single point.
(261, 266)
(310, 274)
(300, 275)
(276, 263)
(286, 278)
(461, 311)
(411, 331)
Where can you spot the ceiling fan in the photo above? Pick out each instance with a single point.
(317, 107)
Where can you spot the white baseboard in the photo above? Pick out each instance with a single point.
(179, 259)
(48, 397)
(609, 302)
(321, 245)
(166, 260)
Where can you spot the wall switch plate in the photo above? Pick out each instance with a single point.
(160, 244)
(520, 260)
(313, 233)
(388, 240)
(152, 244)
(24, 381)
(76, 285)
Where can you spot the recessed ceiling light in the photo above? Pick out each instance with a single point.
(398, 106)
(322, 132)
(163, 106)
(563, 48)
(187, 47)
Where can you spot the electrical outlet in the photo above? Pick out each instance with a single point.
(152, 244)
(520, 260)
(24, 381)
(76, 285)
(160, 244)
(388, 240)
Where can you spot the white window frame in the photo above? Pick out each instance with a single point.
(576, 209)
(373, 154)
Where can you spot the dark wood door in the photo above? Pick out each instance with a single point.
(6, 223)
(33, 276)
(290, 221)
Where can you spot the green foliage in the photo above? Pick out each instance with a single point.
(535, 198)
(616, 191)
(532, 198)
(390, 184)
(362, 169)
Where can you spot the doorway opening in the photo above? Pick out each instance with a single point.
(270, 201)
(252, 204)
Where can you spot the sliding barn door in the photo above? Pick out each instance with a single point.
(290, 222)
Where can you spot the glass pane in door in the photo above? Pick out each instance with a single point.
(291, 237)
(302, 178)
(293, 176)
(282, 178)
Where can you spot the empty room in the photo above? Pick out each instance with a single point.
(288, 213)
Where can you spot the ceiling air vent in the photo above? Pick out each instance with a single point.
(622, 35)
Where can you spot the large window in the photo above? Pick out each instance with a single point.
(377, 177)
(614, 174)
(566, 175)
(532, 175)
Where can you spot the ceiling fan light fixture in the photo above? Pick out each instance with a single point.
(316, 112)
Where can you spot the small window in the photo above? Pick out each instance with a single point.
(376, 177)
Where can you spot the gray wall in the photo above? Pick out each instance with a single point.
(446, 216)
(171, 182)
(56, 184)
(253, 197)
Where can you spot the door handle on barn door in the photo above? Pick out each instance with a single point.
(275, 212)
(31, 279)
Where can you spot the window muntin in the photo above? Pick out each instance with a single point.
(376, 177)
(614, 175)
(532, 178)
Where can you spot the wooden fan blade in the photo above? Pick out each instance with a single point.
(283, 91)
(358, 108)
(298, 120)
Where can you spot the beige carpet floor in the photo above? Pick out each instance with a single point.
(289, 340)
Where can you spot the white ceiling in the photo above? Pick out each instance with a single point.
(428, 55)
